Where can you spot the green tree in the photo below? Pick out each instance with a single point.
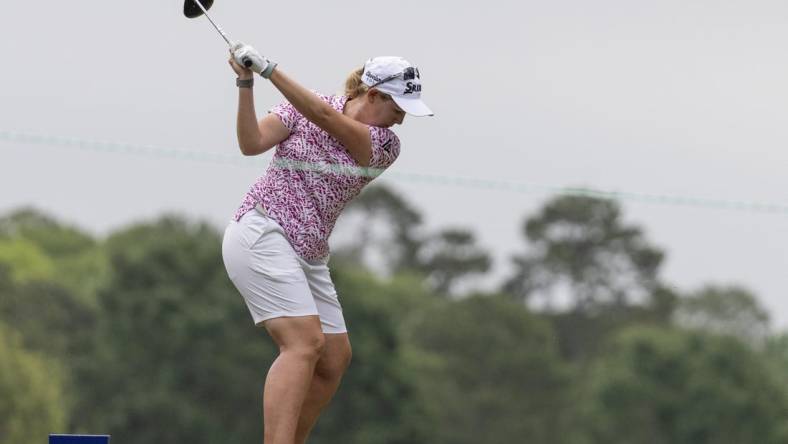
(730, 310)
(581, 334)
(581, 243)
(25, 261)
(451, 257)
(176, 358)
(32, 404)
(662, 386)
(593, 272)
(51, 321)
(49, 317)
(382, 231)
(490, 373)
(776, 351)
(38, 247)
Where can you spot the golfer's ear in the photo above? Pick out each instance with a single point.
(372, 95)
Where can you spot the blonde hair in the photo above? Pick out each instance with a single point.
(354, 87)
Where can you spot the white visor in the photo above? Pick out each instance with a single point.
(413, 106)
(398, 78)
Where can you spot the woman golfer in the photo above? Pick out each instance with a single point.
(276, 248)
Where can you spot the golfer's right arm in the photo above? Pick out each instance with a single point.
(255, 137)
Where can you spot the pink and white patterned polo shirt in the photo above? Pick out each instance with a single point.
(312, 177)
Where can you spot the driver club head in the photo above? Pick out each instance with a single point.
(191, 10)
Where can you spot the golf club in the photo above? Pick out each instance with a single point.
(190, 11)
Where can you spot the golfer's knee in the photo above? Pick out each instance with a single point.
(332, 367)
(309, 347)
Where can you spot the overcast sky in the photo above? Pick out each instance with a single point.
(671, 98)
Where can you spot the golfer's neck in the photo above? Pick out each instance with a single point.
(353, 109)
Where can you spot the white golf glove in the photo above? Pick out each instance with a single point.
(248, 57)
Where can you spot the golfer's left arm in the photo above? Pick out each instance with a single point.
(255, 137)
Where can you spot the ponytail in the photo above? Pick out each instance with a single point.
(354, 87)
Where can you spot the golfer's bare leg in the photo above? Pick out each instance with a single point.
(325, 381)
(301, 343)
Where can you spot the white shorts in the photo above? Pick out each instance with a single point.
(273, 279)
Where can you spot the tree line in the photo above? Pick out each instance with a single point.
(141, 335)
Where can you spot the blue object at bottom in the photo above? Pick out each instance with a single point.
(78, 439)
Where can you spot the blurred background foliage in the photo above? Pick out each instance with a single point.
(142, 335)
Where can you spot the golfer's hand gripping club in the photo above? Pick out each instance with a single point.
(248, 57)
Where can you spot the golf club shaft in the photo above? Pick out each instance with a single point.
(218, 28)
